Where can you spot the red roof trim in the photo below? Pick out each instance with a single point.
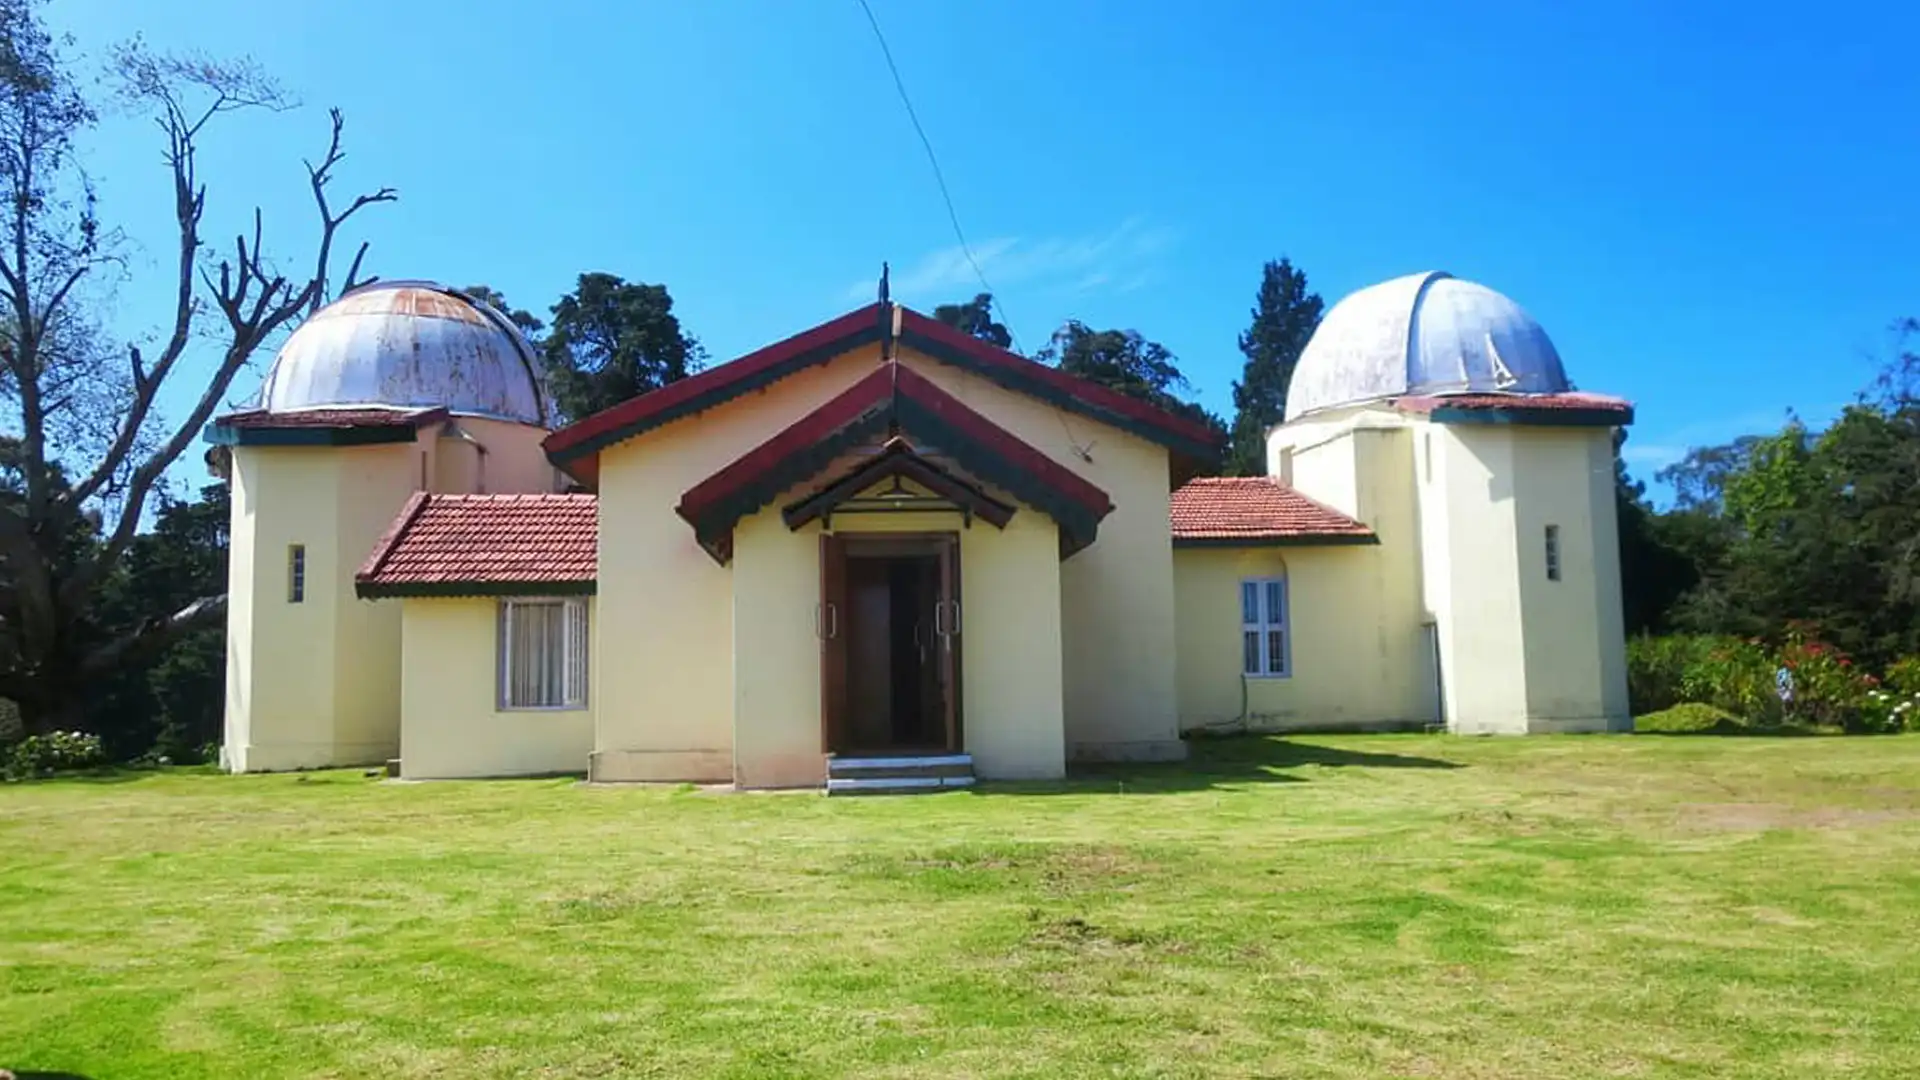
(817, 345)
(893, 396)
(924, 391)
(1571, 408)
(384, 546)
(921, 332)
(860, 399)
(576, 446)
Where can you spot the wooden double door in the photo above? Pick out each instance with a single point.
(889, 628)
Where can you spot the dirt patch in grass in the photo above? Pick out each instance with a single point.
(1766, 817)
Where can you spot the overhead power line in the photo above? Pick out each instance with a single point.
(939, 177)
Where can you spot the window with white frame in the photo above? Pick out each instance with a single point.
(1266, 645)
(543, 654)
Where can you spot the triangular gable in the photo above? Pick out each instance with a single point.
(900, 463)
(576, 448)
(892, 401)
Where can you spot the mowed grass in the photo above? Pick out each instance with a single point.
(1340, 907)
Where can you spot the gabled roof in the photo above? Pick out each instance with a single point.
(1255, 511)
(486, 545)
(1567, 409)
(892, 401)
(898, 461)
(355, 426)
(575, 448)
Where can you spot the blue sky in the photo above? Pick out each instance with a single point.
(1712, 210)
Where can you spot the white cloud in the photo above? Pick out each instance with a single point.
(1124, 253)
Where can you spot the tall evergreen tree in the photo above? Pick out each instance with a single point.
(611, 340)
(1285, 315)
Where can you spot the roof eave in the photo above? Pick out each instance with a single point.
(385, 590)
(1277, 540)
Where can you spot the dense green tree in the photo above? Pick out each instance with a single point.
(1123, 360)
(1818, 529)
(1655, 570)
(611, 340)
(1285, 315)
(172, 702)
(975, 319)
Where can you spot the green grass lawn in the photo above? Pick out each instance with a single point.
(1343, 907)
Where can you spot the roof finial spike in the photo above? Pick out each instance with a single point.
(886, 290)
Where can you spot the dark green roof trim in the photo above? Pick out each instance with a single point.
(1079, 524)
(1319, 540)
(359, 435)
(1010, 378)
(1522, 416)
(717, 396)
(713, 526)
(374, 591)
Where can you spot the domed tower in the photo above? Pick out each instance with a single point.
(1438, 411)
(394, 388)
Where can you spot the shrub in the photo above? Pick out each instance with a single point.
(1657, 669)
(1737, 677)
(37, 755)
(1690, 717)
(1903, 675)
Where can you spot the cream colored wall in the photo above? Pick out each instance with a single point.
(666, 710)
(1359, 651)
(1520, 653)
(776, 692)
(318, 682)
(669, 712)
(1117, 628)
(452, 724)
(1011, 688)
(494, 457)
(1575, 637)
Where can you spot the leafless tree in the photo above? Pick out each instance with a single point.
(88, 448)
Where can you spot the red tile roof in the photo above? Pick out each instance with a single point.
(475, 545)
(331, 418)
(1257, 510)
(1598, 408)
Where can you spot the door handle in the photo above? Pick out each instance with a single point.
(826, 621)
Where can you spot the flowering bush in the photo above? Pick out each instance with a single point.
(1886, 710)
(37, 755)
(1823, 688)
(1803, 682)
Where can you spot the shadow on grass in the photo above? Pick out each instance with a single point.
(1216, 763)
(1736, 730)
(31, 1075)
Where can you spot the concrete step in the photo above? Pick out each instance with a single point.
(918, 765)
(896, 785)
(904, 774)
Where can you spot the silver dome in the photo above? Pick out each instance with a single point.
(1426, 333)
(408, 344)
